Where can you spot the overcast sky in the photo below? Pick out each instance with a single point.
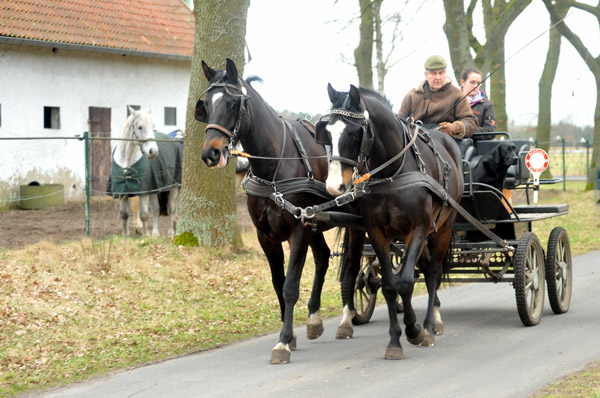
(298, 47)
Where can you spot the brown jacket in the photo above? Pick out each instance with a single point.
(429, 107)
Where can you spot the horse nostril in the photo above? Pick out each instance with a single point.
(215, 155)
(342, 188)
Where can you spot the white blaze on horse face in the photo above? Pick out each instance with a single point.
(334, 178)
(144, 129)
(216, 98)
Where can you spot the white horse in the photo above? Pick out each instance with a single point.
(132, 175)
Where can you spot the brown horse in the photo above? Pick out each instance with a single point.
(410, 174)
(286, 164)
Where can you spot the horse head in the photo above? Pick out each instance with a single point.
(349, 134)
(222, 110)
(140, 127)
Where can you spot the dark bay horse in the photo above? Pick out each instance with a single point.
(236, 113)
(400, 200)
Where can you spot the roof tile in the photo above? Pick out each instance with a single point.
(156, 26)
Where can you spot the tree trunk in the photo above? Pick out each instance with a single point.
(592, 62)
(381, 69)
(363, 54)
(544, 125)
(207, 205)
(457, 35)
(489, 57)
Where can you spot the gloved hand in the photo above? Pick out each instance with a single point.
(452, 129)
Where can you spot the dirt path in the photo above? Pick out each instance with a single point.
(19, 228)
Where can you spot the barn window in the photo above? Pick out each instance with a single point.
(135, 107)
(51, 117)
(170, 116)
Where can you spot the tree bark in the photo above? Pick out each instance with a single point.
(363, 54)
(593, 64)
(207, 204)
(544, 125)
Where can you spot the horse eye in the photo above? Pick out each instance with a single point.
(232, 105)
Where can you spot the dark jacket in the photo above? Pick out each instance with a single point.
(486, 116)
(445, 105)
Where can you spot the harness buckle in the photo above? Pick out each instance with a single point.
(278, 199)
(343, 199)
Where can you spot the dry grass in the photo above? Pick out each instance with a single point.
(74, 310)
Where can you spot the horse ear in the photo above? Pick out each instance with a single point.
(131, 110)
(354, 97)
(209, 72)
(333, 94)
(322, 135)
(200, 112)
(232, 72)
(149, 109)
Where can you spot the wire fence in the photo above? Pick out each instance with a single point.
(571, 160)
(86, 139)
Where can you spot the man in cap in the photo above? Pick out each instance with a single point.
(439, 104)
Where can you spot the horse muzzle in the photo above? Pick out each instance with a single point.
(214, 157)
(339, 179)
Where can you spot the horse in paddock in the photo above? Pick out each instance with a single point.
(407, 174)
(148, 169)
(286, 163)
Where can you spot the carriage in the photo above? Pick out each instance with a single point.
(297, 189)
(494, 243)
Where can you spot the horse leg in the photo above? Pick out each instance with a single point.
(124, 213)
(172, 209)
(135, 208)
(433, 270)
(144, 200)
(321, 252)
(351, 270)
(298, 241)
(381, 246)
(155, 205)
(415, 245)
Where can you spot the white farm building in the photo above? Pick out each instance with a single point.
(72, 66)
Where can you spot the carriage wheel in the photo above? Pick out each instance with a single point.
(528, 265)
(559, 271)
(365, 291)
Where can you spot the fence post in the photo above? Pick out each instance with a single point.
(87, 183)
(564, 166)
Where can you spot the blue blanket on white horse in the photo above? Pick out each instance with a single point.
(149, 175)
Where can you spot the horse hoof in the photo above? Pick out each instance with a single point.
(344, 332)
(292, 343)
(438, 329)
(394, 353)
(280, 354)
(314, 329)
(423, 339)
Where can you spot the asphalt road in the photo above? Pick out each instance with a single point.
(485, 352)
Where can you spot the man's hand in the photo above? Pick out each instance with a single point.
(452, 129)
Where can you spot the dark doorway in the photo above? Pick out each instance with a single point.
(100, 159)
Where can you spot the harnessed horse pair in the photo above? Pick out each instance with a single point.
(285, 200)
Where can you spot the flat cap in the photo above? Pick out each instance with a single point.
(435, 62)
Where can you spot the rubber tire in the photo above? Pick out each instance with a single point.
(529, 292)
(559, 271)
(364, 297)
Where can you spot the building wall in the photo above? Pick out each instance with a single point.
(34, 77)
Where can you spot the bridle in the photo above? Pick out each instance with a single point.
(367, 133)
(233, 135)
(367, 143)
